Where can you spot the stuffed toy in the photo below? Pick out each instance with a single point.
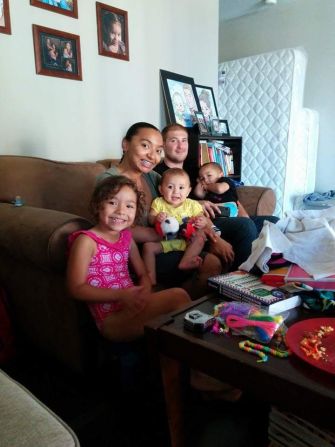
(187, 228)
(168, 229)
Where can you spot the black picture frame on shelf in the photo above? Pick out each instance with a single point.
(220, 128)
(200, 120)
(206, 100)
(180, 98)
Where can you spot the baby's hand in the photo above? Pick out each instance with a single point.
(200, 222)
(161, 217)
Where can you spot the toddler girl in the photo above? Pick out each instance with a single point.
(98, 271)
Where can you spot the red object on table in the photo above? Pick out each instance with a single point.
(299, 330)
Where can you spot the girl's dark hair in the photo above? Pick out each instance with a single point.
(133, 130)
(110, 186)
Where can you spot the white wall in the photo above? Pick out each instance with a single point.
(85, 120)
(307, 23)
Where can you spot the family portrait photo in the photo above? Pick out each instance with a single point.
(67, 7)
(112, 26)
(57, 53)
(4, 17)
(180, 98)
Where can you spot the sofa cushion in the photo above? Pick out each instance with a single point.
(38, 235)
(27, 422)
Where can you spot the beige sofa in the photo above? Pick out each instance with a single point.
(33, 245)
(27, 422)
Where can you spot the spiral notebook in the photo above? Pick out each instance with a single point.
(244, 286)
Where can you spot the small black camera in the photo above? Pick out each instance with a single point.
(197, 321)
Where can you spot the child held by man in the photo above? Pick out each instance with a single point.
(214, 186)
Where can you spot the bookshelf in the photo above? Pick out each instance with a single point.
(192, 162)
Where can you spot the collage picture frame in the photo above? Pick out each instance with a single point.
(5, 27)
(66, 7)
(112, 27)
(57, 53)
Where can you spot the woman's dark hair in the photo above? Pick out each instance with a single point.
(133, 130)
(110, 186)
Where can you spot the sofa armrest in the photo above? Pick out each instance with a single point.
(257, 200)
(38, 235)
(25, 421)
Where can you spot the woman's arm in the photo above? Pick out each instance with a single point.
(138, 266)
(152, 216)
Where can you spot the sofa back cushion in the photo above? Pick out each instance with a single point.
(61, 186)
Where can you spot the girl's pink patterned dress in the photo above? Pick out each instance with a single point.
(107, 269)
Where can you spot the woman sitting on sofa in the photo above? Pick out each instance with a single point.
(142, 150)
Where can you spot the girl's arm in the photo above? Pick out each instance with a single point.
(81, 253)
(138, 266)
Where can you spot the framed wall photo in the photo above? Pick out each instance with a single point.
(5, 17)
(180, 98)
(66, 7)
(57, 53)
(200, 119)
(112, 24)
(220, 127)
(207, 102)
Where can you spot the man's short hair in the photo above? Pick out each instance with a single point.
(174, 126)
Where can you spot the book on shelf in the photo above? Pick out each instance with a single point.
(297, 274)
(216, 151)
(244, 286)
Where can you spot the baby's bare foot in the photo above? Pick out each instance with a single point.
(190, 263)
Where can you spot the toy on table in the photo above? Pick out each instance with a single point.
(246, 319)
(260, 350)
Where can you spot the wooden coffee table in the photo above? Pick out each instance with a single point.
(290, 383)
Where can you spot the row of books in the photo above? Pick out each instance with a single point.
(216, 151)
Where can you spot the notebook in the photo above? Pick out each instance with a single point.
(244, 286)
(297, 274)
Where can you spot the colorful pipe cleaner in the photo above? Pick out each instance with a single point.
(259, 350)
